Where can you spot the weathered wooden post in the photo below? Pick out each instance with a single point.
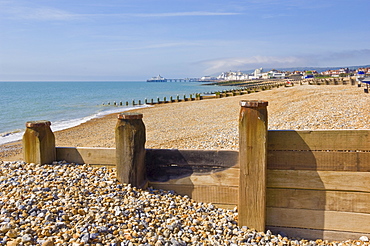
(253, 164)
(130, 149)
(39, 143)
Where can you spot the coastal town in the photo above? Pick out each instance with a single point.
(260, 73)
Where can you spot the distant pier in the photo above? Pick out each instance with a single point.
(159, 78)
(183, 80)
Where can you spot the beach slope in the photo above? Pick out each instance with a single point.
(213, 123)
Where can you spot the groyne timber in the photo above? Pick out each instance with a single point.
(241, 87)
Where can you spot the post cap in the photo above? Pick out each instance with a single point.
(253, 103)
(130, 116)
(38, 123)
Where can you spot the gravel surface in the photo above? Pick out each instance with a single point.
(69, 204)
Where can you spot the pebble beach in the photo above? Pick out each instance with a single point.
(213, 123)
(72, 204)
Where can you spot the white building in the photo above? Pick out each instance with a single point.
(208, 78)
(233, 76)
(273, 74)
(257, 74)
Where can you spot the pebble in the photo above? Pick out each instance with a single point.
(213, 124)
(364, 238)
(89, 216)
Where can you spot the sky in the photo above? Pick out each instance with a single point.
(134, 40)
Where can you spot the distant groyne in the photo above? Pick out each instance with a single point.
(244, 87)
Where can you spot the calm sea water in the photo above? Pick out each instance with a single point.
(67, 104)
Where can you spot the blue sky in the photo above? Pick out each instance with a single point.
(138, 39)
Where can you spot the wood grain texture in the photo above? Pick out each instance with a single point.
(319, 180)
(319, 140)
(319, 160)
(38, 143)
(224, 195)
(253, 165)
(357, 202)
(130, 138)
(228, 177)
(311, 234)
(99, 156)
(318, 219)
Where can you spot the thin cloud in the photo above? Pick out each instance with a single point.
(271, 16)
(162, 15)
(151, 46)
(178, 14)
(170, 44)
(54, 14)
(41, 14)
(49, 14)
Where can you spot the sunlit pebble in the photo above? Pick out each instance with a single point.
(71, 204)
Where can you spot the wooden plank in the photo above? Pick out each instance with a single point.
(319, 140)
(319, 180)
(318, 219)
(319, 160)
(357, 202)
(87, 155)
(38, 142)
(130, 139)
(310, 234)
(225, 195)
(229, 177)
(253, 164)
(165, 164)
(212, 158)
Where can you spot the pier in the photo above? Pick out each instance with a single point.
(159, 78)
(183, 80)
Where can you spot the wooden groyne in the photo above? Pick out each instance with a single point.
(308, 184)
(332, 81)
(244, 87)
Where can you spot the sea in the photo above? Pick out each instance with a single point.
(68, 104)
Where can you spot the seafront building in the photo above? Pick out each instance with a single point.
(276, 74)
(233, 76)
(259, 73)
